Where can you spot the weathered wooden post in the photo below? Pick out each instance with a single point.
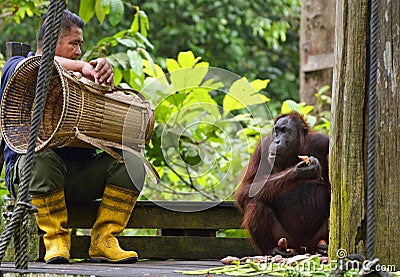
(349, 131)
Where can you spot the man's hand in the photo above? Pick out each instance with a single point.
(99, 70)
(103, 72)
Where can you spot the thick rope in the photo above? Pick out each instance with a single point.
(371, 150)
(18, 223)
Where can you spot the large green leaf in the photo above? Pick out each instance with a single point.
(242, 94)
(144, 23)
(147, 57)
(153, 70)
(186, 72)
(86, 9)
(135, 22)
(172, 65)
(188, 78)
(121, 59)
(102, 8)
(116, 12)
(129, 42)
(135, 61)
(290, 105)
(301, 108)
(187, 59)
(145, 40)
(117, 76)
(120, 34)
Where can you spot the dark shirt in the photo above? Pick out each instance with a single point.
(65, 153)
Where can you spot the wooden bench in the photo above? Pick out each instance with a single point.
(175, 234)
(179, 235)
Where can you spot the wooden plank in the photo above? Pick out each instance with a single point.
(141, 268)
(17, 49)
(188, 232)
(187, 248)
(318, 62)
(148, 214)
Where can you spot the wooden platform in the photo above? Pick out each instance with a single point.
(141, 268)
(179, 230)
(186, 230)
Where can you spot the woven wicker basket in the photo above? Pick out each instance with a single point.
(77, 113)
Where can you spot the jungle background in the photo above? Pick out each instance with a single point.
(207, 125)
(199, 150)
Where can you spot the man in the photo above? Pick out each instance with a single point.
(77, 174)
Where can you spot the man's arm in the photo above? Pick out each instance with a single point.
(100, 70)
(71, 65)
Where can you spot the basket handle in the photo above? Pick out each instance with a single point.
(108, 146)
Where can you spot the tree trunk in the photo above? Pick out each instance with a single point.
(346, 161)
(387, 240)
(349, 127)
(317, 32)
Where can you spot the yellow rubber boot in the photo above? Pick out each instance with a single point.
(52, 218)
(113, 215)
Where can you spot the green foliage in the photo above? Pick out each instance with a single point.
(115, 11)
(125, 51)
(17, 10)
(233, 233)
(200, 147)
(19, 20)
(2, 62)
(4, 194)
(87, 9)
(126, 48)
(318, 119)
(208, 120)
(323, 110)
(301, 108)
(101, 8)
(241, 94)
(257, 39)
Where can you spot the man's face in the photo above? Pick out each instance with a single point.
(69, 44)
